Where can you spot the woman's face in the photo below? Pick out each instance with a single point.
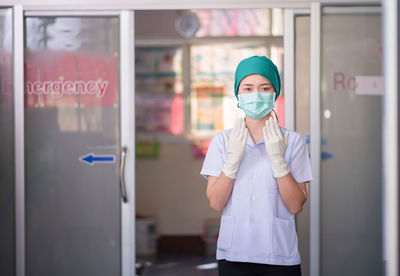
(255, 83)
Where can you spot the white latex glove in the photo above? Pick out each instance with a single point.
(235, 146)
(276, 144)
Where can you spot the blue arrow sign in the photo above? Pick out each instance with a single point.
(91, 158)
(326, 155)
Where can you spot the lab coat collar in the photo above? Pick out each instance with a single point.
(250, 141)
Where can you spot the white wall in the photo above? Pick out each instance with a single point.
(172, 189)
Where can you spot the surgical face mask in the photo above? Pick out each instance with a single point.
(257, 104)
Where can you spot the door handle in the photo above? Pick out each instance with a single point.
(122, 174)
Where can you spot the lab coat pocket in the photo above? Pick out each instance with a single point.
(284, 237)
(226, 232)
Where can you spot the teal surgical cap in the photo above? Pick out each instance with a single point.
(258, 65)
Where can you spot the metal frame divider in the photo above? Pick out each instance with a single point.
(289, 69)
(18, 79)
(390, 137)
(127, 73)
(315, 144)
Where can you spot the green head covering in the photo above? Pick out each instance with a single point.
(258, 65)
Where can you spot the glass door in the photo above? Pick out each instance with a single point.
(351, 160)
(346, 141)
(72, 146)
(7, 161)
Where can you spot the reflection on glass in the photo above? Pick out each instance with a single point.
(72, 111)
(7, 237)
(67, 69)
(351, 168)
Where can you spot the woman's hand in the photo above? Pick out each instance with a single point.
(219, 188)
(292, 193)
(235, 146)
(276, 144)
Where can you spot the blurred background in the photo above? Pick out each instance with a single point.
(79, 198)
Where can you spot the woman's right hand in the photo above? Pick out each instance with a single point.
(235, 146)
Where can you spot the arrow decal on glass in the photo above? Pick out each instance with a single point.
(91, 159)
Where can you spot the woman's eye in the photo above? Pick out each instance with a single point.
(265, 89)
(247, 89)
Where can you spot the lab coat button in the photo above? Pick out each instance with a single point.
(253, 197)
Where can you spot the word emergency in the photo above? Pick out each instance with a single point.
(60, 88)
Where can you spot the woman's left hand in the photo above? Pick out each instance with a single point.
(275, 145)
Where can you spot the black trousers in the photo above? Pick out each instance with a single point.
(228, 268)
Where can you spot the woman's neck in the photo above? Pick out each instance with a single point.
(255, 127)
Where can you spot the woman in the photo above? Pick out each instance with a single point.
(257, 173)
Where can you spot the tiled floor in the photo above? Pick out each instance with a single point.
(176, 265)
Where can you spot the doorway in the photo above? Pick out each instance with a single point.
(184, 96)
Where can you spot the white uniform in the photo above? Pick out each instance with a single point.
(256, 225)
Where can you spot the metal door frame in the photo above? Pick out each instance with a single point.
(390, 123)
(18, 79)
(127, 127)
(315, 137)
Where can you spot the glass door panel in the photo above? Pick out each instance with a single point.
(72, 146)
(351, 166)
